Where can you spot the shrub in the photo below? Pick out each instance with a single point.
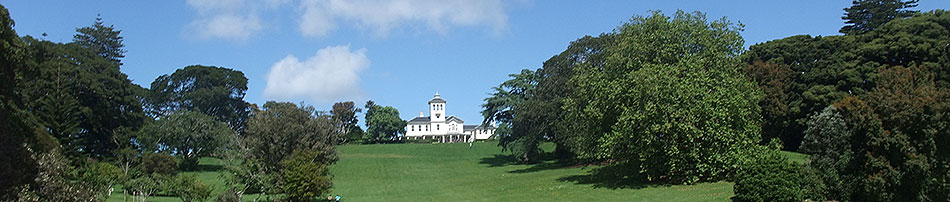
(305, 176)
(188, 188)
(159, 163)
(771, 177)
(100, 177)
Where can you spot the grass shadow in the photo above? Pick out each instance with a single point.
(548, 161)
(611, 177)
(498, 160)
(209, 168)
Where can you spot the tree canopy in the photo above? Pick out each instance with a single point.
(104, 41)
(188, 135)
(215, 91)
(382, 123)
(866, 15)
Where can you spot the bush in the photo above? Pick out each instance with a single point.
(188, 188)
(100, 177)
(159, 163)
(305, 176)
(772, 177)
(232, 194)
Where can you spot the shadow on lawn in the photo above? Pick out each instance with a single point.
(209, 168)
(611, 177)
(548, 161)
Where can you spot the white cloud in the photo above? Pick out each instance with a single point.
(330, 75)
(228, 19)
(227, 26)
(383, 16)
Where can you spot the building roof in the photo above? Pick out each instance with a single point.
(450, 118)
(474, 127)
(436, 99)
(421, 119)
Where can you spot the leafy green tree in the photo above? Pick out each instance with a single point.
(507, 101)
(101, 177)
(188, 188)
(188, 135)
(382, 123)
(16, 124)
(215, 91)
(671, 102)
(344, 114)
(866, 15)
(107, 100)
(275, 133)
(306, 175)
(774, 81)
(102, 40)
(890, 145)
(159, 163)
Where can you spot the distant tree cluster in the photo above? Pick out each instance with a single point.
(662, 96)
(74, 126)
(675, 99)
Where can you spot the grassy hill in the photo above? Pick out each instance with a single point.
(453, 172)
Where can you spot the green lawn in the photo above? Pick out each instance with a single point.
(453, 172)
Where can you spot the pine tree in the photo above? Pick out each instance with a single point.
(866, 15)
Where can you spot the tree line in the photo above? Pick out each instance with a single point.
(677, 99)
(73, 127)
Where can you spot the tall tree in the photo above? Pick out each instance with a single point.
(107, 99)
(503, 106)
(104, 41)
(215, 91)
(866, 15)
(671, 104)
(278, 131)
(188, 135)
(344, 114)
(15, 124)
(382, 123)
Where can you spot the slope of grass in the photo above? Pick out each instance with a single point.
(452, 172)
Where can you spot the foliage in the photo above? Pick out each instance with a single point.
(100, 177)
(825, 69)
(382, 123)
(306, 175)
(188, 188)
(83, 99)
(890, 145)
(344, 114)
(215, 91)
(866, 15)
(145, 186)
(505, 102)
(773, 80)
(770, 177)
(52, 182)
(102, 40)
(159, 163)
(188, 135)
(275, 133)
(671, 100)
(16, 124)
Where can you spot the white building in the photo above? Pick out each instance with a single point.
(444, 128)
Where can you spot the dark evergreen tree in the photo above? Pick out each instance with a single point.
(866, 15)
(104, 41)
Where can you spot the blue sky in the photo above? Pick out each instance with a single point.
(397, 53)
